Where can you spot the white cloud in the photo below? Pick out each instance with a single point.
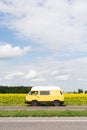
(54, 25)
(1, 79)
(21, 76)
(62, 77)
(38, 80)
(13, 75)
(7, 51)
(32, 74)
(82, 79)
(57, 25)
(59, 76)
(69, 74)
(55, 72)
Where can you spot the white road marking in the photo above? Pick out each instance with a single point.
(41, 120)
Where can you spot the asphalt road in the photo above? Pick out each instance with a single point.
(46, 123)
(43, 108)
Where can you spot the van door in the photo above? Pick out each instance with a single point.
(44, 96)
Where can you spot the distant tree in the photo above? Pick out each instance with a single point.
(74, 92)
(85, 91)
(80, 91)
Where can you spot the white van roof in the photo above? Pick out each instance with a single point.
(45, 88)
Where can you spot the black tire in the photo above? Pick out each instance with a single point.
(34, 103)
(56, 103)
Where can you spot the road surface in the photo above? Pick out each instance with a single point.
(43, 108)
(46, 123)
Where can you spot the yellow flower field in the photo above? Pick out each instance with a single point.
(18, 99)
(76, 99)
(12, 99)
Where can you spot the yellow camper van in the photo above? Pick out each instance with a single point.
(50, 94)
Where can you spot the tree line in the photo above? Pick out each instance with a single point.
(15, 89)
(81, 91)
(25, 89)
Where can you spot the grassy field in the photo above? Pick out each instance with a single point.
(18, 99)
(43, 113)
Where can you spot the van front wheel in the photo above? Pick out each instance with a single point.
(34, 103)
(56, 103)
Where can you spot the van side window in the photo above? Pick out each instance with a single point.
(44, 92)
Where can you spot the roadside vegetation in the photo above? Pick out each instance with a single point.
(43, 113)
(19, 99)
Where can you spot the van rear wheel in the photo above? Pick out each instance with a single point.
(34, 103)
(56, 103)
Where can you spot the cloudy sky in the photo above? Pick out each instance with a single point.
(44, 42)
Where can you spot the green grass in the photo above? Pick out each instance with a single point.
(43, 113)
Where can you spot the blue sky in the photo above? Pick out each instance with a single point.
(44, 42)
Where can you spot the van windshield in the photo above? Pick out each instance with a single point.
(29, 93)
